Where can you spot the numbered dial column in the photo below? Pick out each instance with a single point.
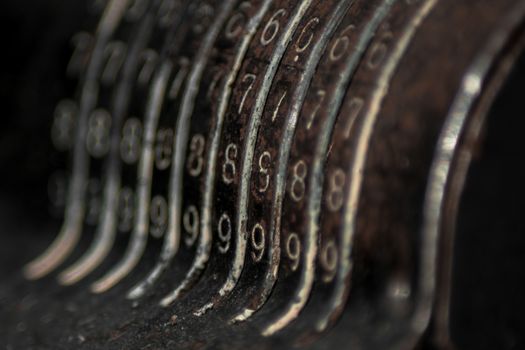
(181, 48)
(206, 124)
(277, 124)
(236, 150)
(66, 110)
(103, 140)
(131, 166)
(299, 235)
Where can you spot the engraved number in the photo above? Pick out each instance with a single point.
(126, 209)
(195, 158)
(179, 78)
(264, 176)
(235, 25)
(293, 250)
(271, 28)
(82, 42)
(304, 41)
(228, 168)
(355, 106)
(203, 17)
(276, 111)
(149, 61)
(341, 44)
(158, 216)
(320, 95)
(163, 148)
(131, 141)
(258, 240)
(115, 53)
(225, 233)
(97, 138)
(378, 51)
(251, 78)
(334, 196)
(63, 124)
(93, 201)
(328, 260)
(298, 187)
(213, 85)
(190, 220)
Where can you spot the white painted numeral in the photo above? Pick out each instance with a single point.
(131, 142)
(213, 85)
(195, 158)
(149, 60)
(276, 111)
(204, 16)
(341, 44)
(93, 201)
(163, 148)
(320, 95)
(126, 209)
(97, 139)
(225, 233)
(334, 196)
(251, 78)
(304, 41)
(298, 186)
(264, 177)
(158, 216)
(258, 241)
(236, 22)
(328, 260)
(355, 106)
(63, 125)
(82, 43)
(378, 51)
(176, 84)
(293, 250)
(271, 28)
(229, 170)
(190, 220)
(115, 53)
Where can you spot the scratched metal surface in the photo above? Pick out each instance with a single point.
(262, 174)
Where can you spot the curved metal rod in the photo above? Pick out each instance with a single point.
(441, 169)
(71, 229)
(249, 149)
(106, 230)
(140, 230)
(284, 152)
(182, 127)
(305, 286)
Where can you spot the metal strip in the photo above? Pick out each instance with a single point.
(284, 152)
(445, 153)
(315, 187)
(106, 230)
(205, 240)
(249, 149)
(140, 231)
(71, 229)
